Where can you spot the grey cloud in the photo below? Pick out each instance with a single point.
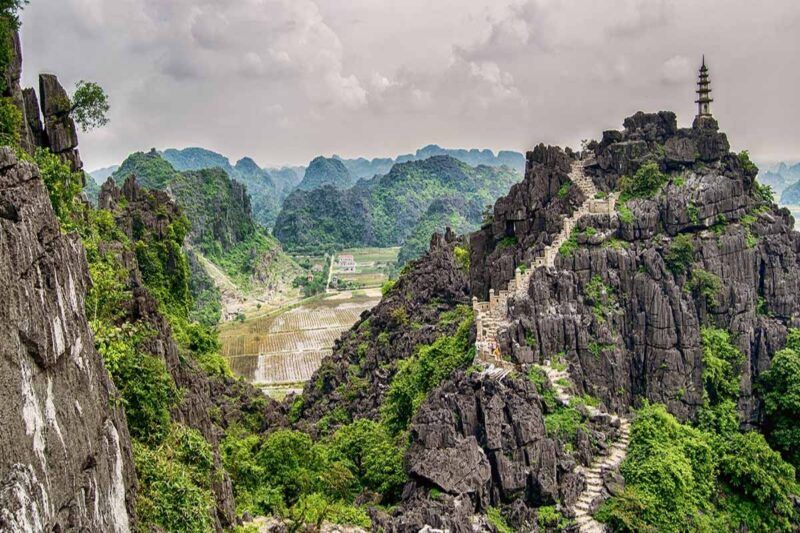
(285, 80)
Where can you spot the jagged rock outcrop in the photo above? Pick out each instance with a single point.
(65, 455)
(151, 212)
(644, 341)
(46, 123)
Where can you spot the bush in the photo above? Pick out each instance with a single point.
(420, 373)
(387, 286)
(370, 452)
(680, 254)
(63, 185)
(462, 257)
(782, 399)
(624, 212)
(174, 482)
(671, 468)
(706, 285)
(721, 365)
(759, 473)
(646, 182)
(147, 389)
(498, 522)
(563, 191)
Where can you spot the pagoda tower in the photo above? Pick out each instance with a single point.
(703, 92)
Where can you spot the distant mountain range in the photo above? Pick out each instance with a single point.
(269, 187)
(784, 178)
(401, 208)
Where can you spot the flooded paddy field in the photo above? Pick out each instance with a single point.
(278, 352)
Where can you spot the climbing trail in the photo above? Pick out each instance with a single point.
(491, 317)
(593, 474)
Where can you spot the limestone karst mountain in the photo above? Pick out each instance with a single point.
(614, 347)
(401, 207)
(629, 308)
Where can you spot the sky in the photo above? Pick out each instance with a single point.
(283, 81)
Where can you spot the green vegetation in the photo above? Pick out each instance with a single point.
(625, 213)
(747, 164)
(89, 106)
(563, 191)
(462, 257)
(288, 474)
(706, 285)
(549, 518)
(601, 297)
(426, 369)
(645, 183)
(175, 482)
(693, 213)
(403, 207)
(782, 399)
(706, 478)
(680, 254)
(63, 185)
(10, 114)
(497, 521)
(569, 246)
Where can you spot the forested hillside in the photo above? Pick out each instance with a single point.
(386, 210)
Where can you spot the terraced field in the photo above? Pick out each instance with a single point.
(280, 351)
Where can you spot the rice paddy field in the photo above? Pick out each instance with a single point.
(372, 265)
(279, 350)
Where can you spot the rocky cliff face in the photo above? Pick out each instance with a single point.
(65, 457)
(623, 307)
(139, 212)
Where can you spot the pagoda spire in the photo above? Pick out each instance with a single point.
(703, 91)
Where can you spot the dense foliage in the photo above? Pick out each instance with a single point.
(410, 202)
(221, 225)
(782, 399)
(432, 364)
(266, 190)
(705, 478)
(89, 105)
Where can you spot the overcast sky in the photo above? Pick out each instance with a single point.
(285, 80)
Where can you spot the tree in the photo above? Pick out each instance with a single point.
(782, 399)
(89, 105)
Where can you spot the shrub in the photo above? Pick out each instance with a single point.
(498, 521)
(624, 212)
(747, 164)
(568, 247)
(387, 286)
(680, 254)
(462, 257)
(601, 297)
(759, 473)
(10, 122)
(721, 365)
(563, 191)
(646, 182)
(370, 452)
(174, 482)
(63, 185)
(706, 285)
(782, 399)
(420, 373)
(671, 466)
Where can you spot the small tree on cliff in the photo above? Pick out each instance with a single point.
(89, 105)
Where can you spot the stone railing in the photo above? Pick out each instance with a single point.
(492, 316)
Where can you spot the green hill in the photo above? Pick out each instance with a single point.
(326, 171)
(388, 210)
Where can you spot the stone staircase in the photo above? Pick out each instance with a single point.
(593, 474)
(492, 316)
